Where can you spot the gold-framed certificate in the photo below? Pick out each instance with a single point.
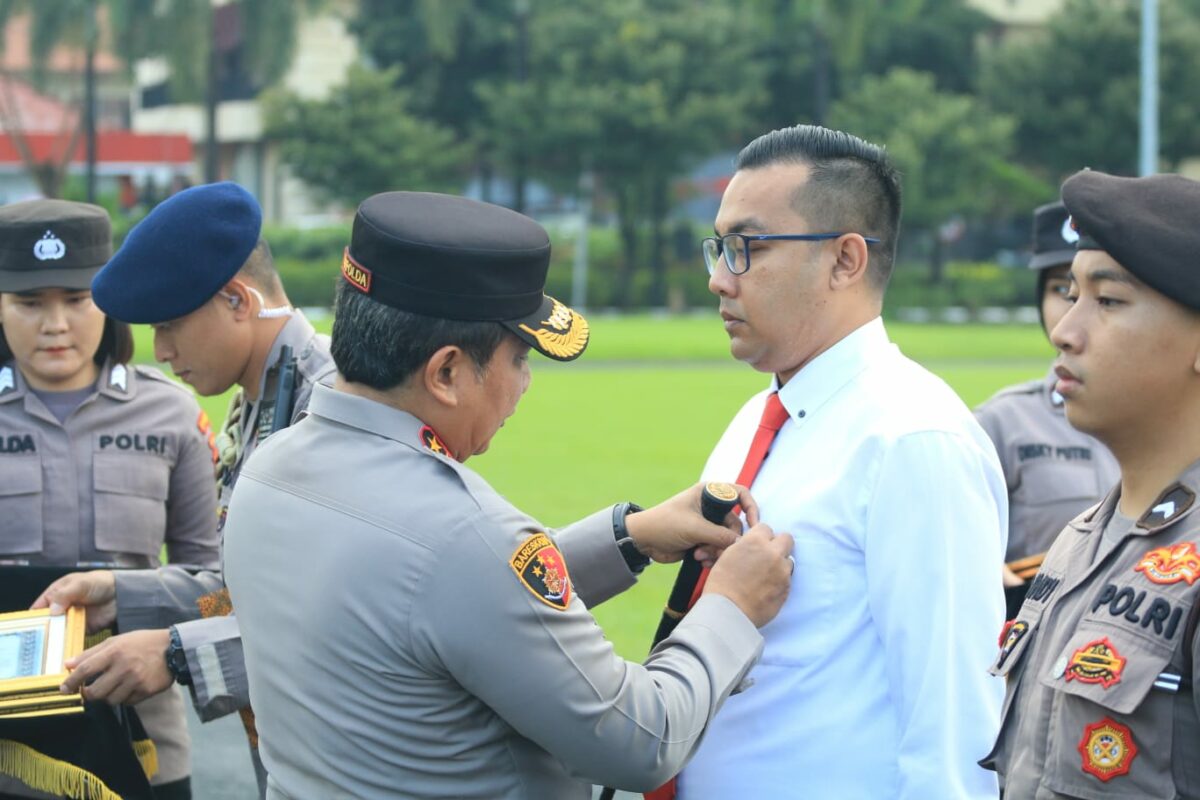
(34, 646)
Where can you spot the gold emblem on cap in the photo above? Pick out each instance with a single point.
(567, 344)
(722, 491)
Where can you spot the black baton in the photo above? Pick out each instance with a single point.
(716, 501)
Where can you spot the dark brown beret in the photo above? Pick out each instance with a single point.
(1150, 226)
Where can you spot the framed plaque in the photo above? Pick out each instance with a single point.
(33, 648)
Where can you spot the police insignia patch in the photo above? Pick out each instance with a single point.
(356, 274)
(542, 570)
(1170, 505)
(1171, 564)
(1096, 662)
(563, 335)
(1012, 634)
(1108, 749)
(430, 439)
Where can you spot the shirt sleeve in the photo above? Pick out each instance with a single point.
(192, 537)
(993, 426)
(551, 674)
(160, 598)
(598, 570)
(213, 649)
(934, 546)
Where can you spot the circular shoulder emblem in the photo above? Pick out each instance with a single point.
(542, 570)
(1107, 748)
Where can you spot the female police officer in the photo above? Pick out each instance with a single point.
(100, 462)
(1052, 470)
(1101, 659)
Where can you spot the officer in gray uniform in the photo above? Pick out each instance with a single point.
(196, 270)
(408, 632)
(1101, 660)
(1053, 471)
(100, 462)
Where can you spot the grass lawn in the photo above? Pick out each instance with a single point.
(635, 418)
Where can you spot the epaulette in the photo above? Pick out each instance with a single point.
(1033, 387)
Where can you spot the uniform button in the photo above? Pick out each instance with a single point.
(1060, 667)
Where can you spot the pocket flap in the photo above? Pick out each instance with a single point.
(20, 474)
(1108, 666)
(141, 476)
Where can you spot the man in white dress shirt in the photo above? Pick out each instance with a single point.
(873, 682)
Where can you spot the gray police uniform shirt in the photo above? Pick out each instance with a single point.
(1101, 660)
(409, 633)
(167, 596)
(129, 469)
(1053, 471)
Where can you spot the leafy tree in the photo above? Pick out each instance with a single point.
(1074, 90)
(362, 140)
(635, 91)
(953, 154)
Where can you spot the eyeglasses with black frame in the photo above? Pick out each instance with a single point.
(735, 247)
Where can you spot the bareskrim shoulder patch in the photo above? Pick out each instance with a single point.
(542, 570)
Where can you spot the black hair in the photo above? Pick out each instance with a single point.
(852, 185)
(116, 342)
(381, 347)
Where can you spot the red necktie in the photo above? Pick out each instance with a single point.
(773, 417)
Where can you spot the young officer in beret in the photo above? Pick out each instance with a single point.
(1101, 660)
(1053, 471)
(100, 462)
(408, 632)
(197, 271)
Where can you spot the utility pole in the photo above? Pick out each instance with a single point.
(1148, 121)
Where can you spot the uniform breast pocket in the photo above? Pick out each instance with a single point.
(1111, 729)
(1049, 482)
(130, 502)
(20, 503)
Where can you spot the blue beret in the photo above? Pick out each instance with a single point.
(180, 255)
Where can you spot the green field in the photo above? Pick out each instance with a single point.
(635, 418)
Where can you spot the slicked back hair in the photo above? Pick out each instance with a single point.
(852, 186)
(381, 347)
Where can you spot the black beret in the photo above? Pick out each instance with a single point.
(1148, 225)
(453, 258)
(52, 243)
(180, 255)
(1053, 237)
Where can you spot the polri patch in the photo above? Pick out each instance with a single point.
(542, 570)
(1108, 749)
(1096, 662)
(1171, 564)
(430, 439)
